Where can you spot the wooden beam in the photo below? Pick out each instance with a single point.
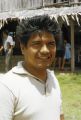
(72, 47)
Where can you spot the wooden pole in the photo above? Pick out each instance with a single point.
(72, 47)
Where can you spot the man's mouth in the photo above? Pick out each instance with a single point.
(44, 57)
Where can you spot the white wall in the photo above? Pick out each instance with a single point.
(7, 5)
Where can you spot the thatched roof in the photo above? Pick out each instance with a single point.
(63, 12)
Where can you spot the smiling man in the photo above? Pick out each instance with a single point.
(39, 53)
(30, 91)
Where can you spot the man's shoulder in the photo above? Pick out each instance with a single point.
(8, 78)
(13, 82)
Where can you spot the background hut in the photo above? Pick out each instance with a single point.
(63, 11)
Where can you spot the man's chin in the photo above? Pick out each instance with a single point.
(43, 66)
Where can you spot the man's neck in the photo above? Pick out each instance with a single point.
(39, 73)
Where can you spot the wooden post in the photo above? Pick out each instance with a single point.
(72, 47)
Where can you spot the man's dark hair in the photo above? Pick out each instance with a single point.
(36, 24)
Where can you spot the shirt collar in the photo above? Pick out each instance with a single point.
(19, 69)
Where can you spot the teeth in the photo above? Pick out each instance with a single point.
(44, 57)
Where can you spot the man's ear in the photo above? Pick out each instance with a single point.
(22, 48)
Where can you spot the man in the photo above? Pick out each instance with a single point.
(33, 92)
(8, 44)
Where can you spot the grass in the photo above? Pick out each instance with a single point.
(71, 94)
(70, 84)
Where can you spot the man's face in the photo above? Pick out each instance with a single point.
(40, 51)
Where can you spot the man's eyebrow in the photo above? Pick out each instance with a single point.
(36, 41)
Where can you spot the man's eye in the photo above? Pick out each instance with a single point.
(36, 43)
(52, 44)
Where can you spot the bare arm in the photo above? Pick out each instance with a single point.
(62, 117)
(1, 48)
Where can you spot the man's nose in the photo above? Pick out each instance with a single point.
(44, 49)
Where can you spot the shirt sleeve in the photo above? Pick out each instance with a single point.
(61, 107)
(6, 103)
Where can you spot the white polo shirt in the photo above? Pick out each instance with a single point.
(23, 97)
